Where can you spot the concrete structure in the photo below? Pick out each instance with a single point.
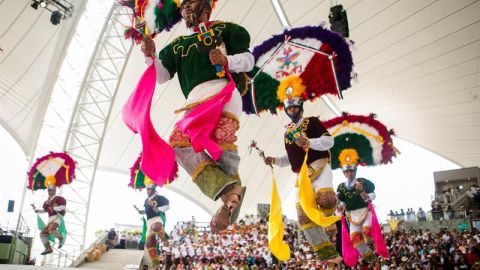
(464, 177)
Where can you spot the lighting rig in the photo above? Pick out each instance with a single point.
(60, 9)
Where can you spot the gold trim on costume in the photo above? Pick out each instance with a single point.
(303, 127)
(200, 168)
(232, 116)
(325, 189)
(192, 105)
(362, 217)
(322, 245)
(181, 144)
(365, 133)
(312, 173)
(228, 147)
(307, 226)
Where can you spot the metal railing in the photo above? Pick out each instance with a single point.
(440, 215)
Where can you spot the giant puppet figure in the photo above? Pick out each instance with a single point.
(210, 63)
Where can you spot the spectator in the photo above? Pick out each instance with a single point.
(112, 238)
(421, 215)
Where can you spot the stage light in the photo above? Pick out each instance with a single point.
(34, 4)
(338, 20)
(60, 9)
(56, 17)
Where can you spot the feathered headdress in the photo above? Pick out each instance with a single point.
(359, 140)
(150, 17)
(312, 61)
(52, 170)
(138, 180)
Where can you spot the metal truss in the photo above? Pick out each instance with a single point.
(87, 128)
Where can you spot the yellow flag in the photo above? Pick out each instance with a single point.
(280, 249)
(307, 200)
(394, 223)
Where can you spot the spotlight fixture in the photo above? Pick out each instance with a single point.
(338, 20)
(60, 9)
(34, 4)
(56, 17)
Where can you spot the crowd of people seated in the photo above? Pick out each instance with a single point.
(244, 246)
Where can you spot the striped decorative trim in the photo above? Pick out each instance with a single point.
(320, 246)
(307, 226)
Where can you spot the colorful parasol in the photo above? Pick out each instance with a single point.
(361, 140)
(54, 169)
(312, 58)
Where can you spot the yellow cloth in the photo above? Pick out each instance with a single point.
(280, 249)
(307, 200)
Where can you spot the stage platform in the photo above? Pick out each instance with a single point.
(114, 259)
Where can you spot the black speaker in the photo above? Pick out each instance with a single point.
(11, 206)
(56, 17)
(338, 20)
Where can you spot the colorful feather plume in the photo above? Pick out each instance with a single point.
(318, 58)
(54, 169)
(360, 139)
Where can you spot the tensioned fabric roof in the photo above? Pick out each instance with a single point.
(418, 64)
(33, 51)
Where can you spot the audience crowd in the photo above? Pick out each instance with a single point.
(244, 246)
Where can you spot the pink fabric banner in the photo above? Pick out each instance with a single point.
(380, 246)
(158, 158)
(349, 253)
(200, 122)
